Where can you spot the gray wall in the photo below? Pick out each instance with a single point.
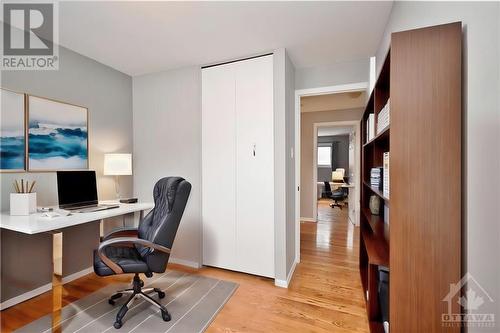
(167, 142)
(306, 152)
(107, 94)
(340, 155)
(481, 129)
(338, 73)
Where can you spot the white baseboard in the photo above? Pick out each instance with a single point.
(307, 219)
(40, 290)
(286, 283)
(183, 262)
(77, 275)
(26, 296)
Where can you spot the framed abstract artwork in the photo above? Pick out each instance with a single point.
(57, 135)
(12, 131)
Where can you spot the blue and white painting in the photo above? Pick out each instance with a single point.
(57, 135)
(12, 137)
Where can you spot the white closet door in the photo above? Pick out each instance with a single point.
(218, 167)
(255, 166)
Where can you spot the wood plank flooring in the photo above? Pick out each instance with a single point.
(325, 294)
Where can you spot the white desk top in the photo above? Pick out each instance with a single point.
(35, 223)
(338, 184)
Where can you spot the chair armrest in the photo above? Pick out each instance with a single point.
(122, 232)
(125, 241)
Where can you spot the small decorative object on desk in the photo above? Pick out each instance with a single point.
(375, 205)
(23, 201)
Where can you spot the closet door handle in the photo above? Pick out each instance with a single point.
(254, 149)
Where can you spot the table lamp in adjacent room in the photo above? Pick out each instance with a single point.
(118, 165)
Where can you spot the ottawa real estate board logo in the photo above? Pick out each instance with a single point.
(30, 36)
(473, 298)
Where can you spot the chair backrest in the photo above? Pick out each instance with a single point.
(160, 225)
(328, 188)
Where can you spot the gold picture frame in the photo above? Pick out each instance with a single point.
(61, 105)
(5, 116)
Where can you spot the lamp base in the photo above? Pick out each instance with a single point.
(128, 200)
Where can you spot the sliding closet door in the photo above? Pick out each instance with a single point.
(254, 166)
(219, 167)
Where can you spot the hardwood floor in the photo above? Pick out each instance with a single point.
(325, 294)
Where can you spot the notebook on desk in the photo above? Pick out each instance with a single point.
(77, 192)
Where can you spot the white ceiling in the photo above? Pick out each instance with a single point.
(334, 130)
(331, 102)
(144, 37)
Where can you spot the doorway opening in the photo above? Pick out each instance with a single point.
(332, 112)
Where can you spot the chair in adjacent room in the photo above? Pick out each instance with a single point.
(338, 196)
(145, 249)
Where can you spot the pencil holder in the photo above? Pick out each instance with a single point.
(22, 203)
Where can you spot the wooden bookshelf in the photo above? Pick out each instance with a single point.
(421, 80)
(374, 244)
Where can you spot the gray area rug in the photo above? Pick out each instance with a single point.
(193, 302)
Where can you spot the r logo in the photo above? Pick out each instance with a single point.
(36, 21)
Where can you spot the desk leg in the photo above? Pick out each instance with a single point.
(57, 286)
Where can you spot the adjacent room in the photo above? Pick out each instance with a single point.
(256, 166)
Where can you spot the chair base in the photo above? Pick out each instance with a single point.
(137, 292)
(337, 204)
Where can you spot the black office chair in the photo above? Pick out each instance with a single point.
(145, 249)
(338, 196)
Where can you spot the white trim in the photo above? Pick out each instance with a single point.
(286, 283)
(357, 153)
(77, 275)
(308, 219)
(298, 94)
(26, 296)
(188, 263)
(331, 89)
(40, 290)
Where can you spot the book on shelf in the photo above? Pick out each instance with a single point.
(386, 175)
(383, 117)
(376, 177)
(370, 127)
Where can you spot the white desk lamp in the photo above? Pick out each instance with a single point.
(118, 165)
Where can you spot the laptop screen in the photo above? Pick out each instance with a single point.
(76, 188)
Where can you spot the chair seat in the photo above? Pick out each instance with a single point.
(128, 258)
(337, 195)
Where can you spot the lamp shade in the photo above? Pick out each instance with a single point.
(117, 164)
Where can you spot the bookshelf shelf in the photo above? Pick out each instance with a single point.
(384, 135)
(377, 192)
(377, 248)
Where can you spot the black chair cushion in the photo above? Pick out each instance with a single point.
(128, 258)
(338, 195)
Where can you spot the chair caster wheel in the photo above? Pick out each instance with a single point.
(111, 302)
(161, 294)
(117, 324)
(165, 315)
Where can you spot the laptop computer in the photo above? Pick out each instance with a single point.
(77, 191)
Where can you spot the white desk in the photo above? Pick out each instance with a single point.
(35, 223)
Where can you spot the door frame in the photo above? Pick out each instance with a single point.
(355, 124)
(351, 87)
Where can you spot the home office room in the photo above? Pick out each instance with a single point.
(291, 166)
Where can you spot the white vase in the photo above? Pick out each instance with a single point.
(22, 203)
(375, 204)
